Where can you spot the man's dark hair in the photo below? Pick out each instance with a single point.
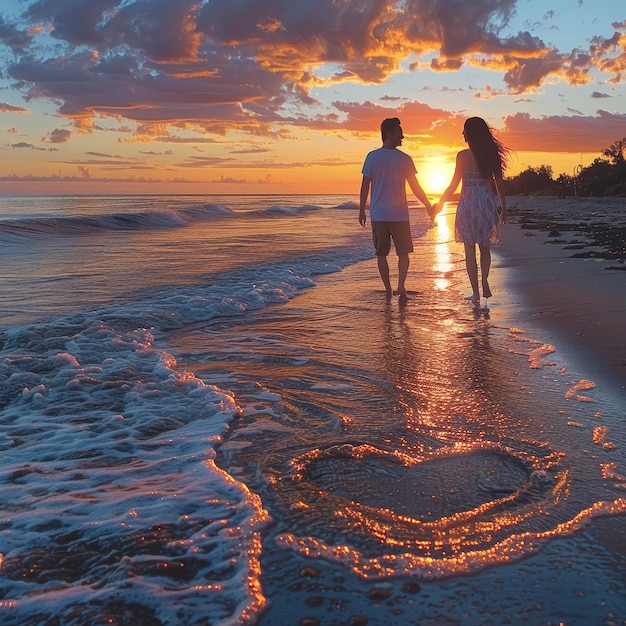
(389, 125)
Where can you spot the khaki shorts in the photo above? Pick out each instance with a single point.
(384, 232)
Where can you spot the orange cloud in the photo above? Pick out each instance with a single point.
(417, 118)
(561, 133)
(610, 54)
(251, 66)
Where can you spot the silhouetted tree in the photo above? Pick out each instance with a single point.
(532, 180)
(594, 180)
(605, 176)
(615, 152)
(566, 185)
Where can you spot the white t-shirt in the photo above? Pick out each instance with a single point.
(388, 169)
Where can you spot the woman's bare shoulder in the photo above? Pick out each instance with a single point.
(464, 157)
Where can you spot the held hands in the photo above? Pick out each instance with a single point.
(434, 210)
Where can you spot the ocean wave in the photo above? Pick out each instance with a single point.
(109, 460)
(84, 224)
(108, 465)
(294, 210)
(231, 294)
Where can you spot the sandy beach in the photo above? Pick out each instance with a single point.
(561, 261)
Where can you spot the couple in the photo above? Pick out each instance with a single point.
(386, 172)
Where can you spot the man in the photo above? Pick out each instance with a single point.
(386, 171)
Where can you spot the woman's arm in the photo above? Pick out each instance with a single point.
(497, 178)
(454, 183)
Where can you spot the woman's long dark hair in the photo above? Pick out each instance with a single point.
(491, 155)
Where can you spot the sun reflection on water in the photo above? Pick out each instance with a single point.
(443, 257)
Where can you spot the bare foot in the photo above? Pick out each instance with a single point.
(474, 299)
(486, 290)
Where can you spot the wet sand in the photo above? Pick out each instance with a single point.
(561, 264)
(434, 373)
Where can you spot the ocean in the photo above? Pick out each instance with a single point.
(212, 415)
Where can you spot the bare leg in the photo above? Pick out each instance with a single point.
(485, 266)
(403, 270)
(472, 271)
(383, 268)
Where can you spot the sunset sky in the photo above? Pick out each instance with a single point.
(287, 96)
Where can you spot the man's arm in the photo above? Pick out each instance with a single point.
(365, 190)
(417, 190)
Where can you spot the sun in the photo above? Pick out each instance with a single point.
(436, 182)
(434, 175)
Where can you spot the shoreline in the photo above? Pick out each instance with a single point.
(560, 262)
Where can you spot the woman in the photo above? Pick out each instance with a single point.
(478, 216)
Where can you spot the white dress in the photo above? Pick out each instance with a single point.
(477, 220)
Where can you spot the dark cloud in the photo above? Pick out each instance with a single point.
(230, 180)
(29, 146)
(9, 108)
(527, 74)
(59, 135)
(228, 163)
(13, 37)
(189, 140)
(446, 65)
(22, 144)
(251, 150)
(104, 155)
(472, 27)
(86, 87)
(155, 153)
(85, 177)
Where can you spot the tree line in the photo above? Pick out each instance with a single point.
(606, 176)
